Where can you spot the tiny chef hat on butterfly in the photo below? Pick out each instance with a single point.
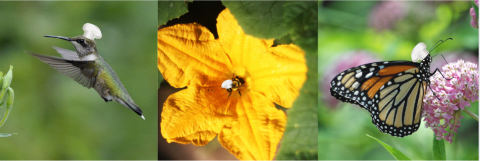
(419, 52)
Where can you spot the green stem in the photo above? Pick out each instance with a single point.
(9, 103)
(470, 113)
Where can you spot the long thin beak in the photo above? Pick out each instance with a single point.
(59, 37)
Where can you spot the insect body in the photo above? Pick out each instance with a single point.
(233, 84)
(391, 91)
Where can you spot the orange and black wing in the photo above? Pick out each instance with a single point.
(391, 91)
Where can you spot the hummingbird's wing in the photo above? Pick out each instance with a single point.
(67, 54)
(81, 71)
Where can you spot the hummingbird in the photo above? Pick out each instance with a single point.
(89, 69)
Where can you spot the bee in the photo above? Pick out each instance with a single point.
(233, 84)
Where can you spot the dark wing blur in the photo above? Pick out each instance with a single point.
(81, 71)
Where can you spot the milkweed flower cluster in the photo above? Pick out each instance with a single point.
(443, 114)
(474, 21)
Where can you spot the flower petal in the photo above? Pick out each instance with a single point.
(189, 53)
(257, 131)
(239, 47)
(196, 115)
(281, 74)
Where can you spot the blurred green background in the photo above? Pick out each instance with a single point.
(54, 116)
(355, 33)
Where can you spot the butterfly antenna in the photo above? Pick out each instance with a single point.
(439, 42)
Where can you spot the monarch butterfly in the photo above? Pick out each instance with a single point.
(392, 91)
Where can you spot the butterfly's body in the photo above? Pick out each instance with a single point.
(391, 91)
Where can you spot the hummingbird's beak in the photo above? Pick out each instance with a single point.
(59, 37)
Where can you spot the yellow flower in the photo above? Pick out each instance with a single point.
(247, 122)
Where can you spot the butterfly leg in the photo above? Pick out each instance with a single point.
(434, 93)
(440, 74)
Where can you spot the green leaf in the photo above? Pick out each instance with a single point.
(475, 7)
(438, 149)
(301, 19)
(300, 140)
(395, 153)
(168, 10)
(261, 19)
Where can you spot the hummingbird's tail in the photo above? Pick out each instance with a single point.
(130, 104)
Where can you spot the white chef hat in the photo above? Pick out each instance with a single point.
(91, 31)
(419, 52)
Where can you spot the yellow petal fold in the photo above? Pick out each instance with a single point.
(256, 132)
(281, 74)
(277, 72)
(239, 47)
(189, 54)
(196, 115)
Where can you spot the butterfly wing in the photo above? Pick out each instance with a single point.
(391, 91)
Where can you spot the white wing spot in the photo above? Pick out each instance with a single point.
(368, 75)
(358, 75)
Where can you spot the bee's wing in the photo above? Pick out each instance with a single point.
(81, 71)
(67, 54)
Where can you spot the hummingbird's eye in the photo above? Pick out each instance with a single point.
(81, 41)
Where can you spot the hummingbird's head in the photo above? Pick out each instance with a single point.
(83, 45)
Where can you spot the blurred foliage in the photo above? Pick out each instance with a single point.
(351, 26)
(6, 97)
(168, 10)
(262, 19)
(57, 118)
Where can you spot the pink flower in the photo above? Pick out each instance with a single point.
(453, 96)
(386, 14)
(474, 21)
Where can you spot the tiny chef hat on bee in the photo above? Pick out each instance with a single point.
(91, 31)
